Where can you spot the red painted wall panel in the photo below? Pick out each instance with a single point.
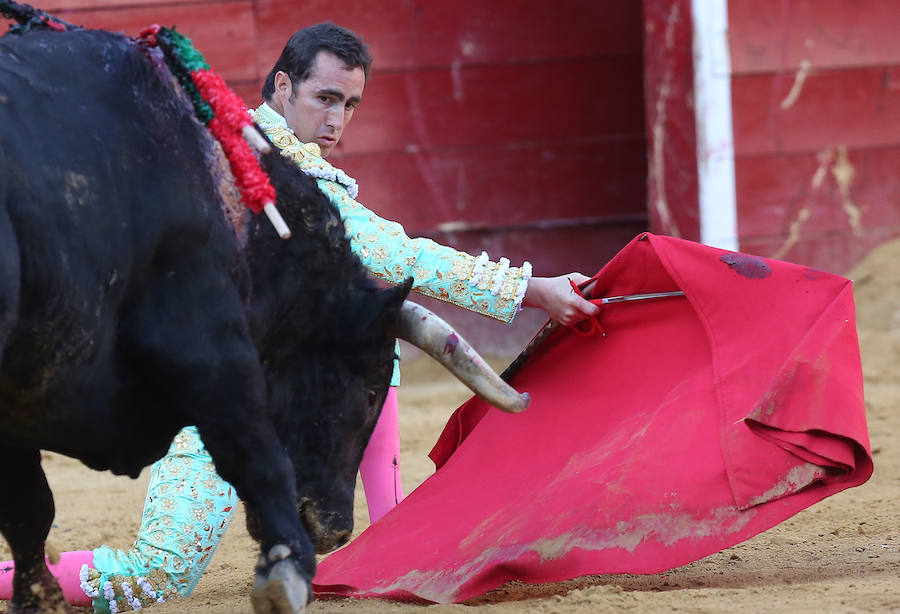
(779, 36)
(548, 102)
(798, 126)
(417, 33)
(530, 118)
(671, 133)
(834, 251)
(859, 107)
(545, 180)
(816, 113)
(838, 190)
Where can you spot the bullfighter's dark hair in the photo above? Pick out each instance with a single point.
(304, 45)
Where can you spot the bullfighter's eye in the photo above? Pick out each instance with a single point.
(372, 396)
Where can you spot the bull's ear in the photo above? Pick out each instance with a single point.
(394, 301)
(377, 308)
(401, 292)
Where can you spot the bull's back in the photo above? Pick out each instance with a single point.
(89, 124)
(103, 179)
(101, 168)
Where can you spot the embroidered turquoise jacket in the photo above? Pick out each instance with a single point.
(493, 289)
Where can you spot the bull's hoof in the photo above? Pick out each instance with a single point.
(279, 587)
(59, 608)
(45, 598)
(53, 606)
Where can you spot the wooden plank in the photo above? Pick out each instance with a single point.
(428, 109)
(855, 191)
(425, 33)
(497, 186)
(277, 20)
(817, 128)
(224, 32)
(672, 197)
(833, 251)
(480, 32)
(824, 210)
(857, 107)
(826, 33)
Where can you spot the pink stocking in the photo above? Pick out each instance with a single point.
(66, 573)
(380, 467)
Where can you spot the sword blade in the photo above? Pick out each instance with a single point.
(639, 297)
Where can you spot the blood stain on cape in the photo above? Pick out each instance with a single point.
(750, 267)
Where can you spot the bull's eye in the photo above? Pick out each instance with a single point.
(372, 396)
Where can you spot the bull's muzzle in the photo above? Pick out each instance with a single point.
(326, 530)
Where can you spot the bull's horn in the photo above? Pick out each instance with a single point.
(431, 334)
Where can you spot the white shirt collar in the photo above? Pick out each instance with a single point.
(272, 117)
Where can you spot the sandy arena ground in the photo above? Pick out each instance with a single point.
(841, 555)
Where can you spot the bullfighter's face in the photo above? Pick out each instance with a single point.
(319, 108)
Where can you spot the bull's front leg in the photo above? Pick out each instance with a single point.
(189, 330)
(251, 458)
(26, 513)
(247, 452)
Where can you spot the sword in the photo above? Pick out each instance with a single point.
(552, 326)
(638, 297)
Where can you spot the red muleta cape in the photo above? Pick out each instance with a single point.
(695, 423)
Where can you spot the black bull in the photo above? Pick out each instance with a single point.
(129, 309)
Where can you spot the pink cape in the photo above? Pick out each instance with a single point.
(694, 424)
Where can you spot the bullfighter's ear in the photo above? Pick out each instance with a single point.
(283, 86)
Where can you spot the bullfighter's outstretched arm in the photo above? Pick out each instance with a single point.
(491, 288)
